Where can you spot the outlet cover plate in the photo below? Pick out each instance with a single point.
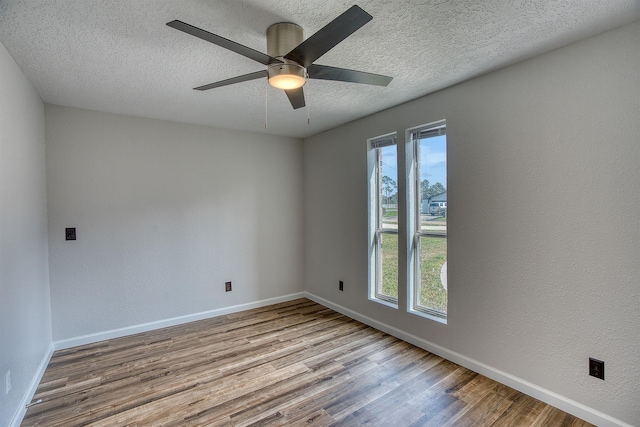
(70, 233)
(227, 286)
(596, 368)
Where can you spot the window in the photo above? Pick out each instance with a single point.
(383, 219)
(428, 210)
(422, 258)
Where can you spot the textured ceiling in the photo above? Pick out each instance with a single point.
(119, 56)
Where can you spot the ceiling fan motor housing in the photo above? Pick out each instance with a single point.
(282, 38)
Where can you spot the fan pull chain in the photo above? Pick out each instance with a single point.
(266, 105)
(308, 91)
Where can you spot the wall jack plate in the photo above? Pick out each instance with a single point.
(227, 286)
(341, 285)
(70, 233)
(596, 368)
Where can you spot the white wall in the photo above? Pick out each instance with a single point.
(165, 214)
(25, 319)
(544, 225)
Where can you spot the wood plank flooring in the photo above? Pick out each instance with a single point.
(295, 363)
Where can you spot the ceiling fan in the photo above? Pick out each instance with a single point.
(289, 59)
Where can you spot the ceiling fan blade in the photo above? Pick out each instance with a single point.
(262, 58)
(324, 72)
(239, 79)
(296, 97)
(329, 36)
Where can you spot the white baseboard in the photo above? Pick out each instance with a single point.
(572, 407)
(145, 327)
(31, 390)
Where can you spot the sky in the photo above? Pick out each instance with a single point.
(433, 160)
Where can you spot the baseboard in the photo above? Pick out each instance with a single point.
(31, 390)
(572, 407)
(145, 327)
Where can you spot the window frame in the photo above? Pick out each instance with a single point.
(414, 203)
(376, 230)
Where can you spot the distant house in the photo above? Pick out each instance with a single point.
(436, 198)
(440, 197)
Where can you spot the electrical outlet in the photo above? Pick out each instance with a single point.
(596, 368)
(7, 382)
(341, 285)
(70, 233)
(227, 286)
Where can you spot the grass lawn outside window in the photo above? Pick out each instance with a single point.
(433, 254)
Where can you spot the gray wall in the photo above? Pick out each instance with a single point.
(25, 316)
(544, 219)
(165, 214)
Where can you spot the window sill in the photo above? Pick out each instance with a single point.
(384, 302)
(438, 319)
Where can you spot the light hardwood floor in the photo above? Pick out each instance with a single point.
(295, 363)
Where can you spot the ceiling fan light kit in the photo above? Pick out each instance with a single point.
(287, 76)
(290, 59)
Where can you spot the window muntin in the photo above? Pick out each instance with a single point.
(383, 217)
(428, 290)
